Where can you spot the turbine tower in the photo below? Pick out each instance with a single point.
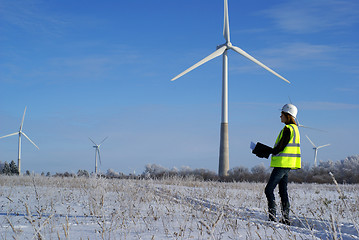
(20, 132)
(316, 150)
(97, 152)
(222, 50)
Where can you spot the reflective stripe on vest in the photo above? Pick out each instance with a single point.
(290, 156)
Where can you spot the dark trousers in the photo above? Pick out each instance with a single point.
(279, 177)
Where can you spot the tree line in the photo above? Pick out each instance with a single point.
(345, 171)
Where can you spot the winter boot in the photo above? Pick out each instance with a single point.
(285, 214)
(285, 221)
(272, 214)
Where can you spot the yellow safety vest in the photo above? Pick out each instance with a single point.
(290, 156)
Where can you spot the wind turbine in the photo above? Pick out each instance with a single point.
(316, 150)
(20, 132)
(97, 152)
(222, 50)
(303, 126)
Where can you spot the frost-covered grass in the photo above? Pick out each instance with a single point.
(95, 208)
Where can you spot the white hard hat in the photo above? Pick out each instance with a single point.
(290, 109)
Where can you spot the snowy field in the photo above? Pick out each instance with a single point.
(89, 208)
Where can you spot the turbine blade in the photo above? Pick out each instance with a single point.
(290, 100)
(30, 140)
(311, 141)
(23, 117)
(243, 53)
(323, 146)
(92, 141)
(12, 134)
(316, 129)
(226, 34)
(103, 140)
(300, 125)
(215, 54)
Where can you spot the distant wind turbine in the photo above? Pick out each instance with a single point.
(222, 50)
(316, 150)
(20, 132)
(97, 151)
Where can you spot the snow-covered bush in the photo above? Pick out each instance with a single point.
(157, 171)
(240, 174)
(113, 174)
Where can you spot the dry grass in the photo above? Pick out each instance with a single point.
(174, 208)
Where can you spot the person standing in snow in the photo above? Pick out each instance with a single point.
(285, 156)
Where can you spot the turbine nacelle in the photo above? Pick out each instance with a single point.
(227, 44)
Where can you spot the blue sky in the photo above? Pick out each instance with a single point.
(97, 69)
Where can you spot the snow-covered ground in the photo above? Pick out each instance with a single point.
(90, 208)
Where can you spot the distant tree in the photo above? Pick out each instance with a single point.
(13, 168)
(6, 170)
(82, 173)
(67, 174)
(259, 173)
(112, 174)
(27, 173)
(154, 170)
(185, 170)
(239, 174)
(204, 174)
(48, 174)
(301, 175)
